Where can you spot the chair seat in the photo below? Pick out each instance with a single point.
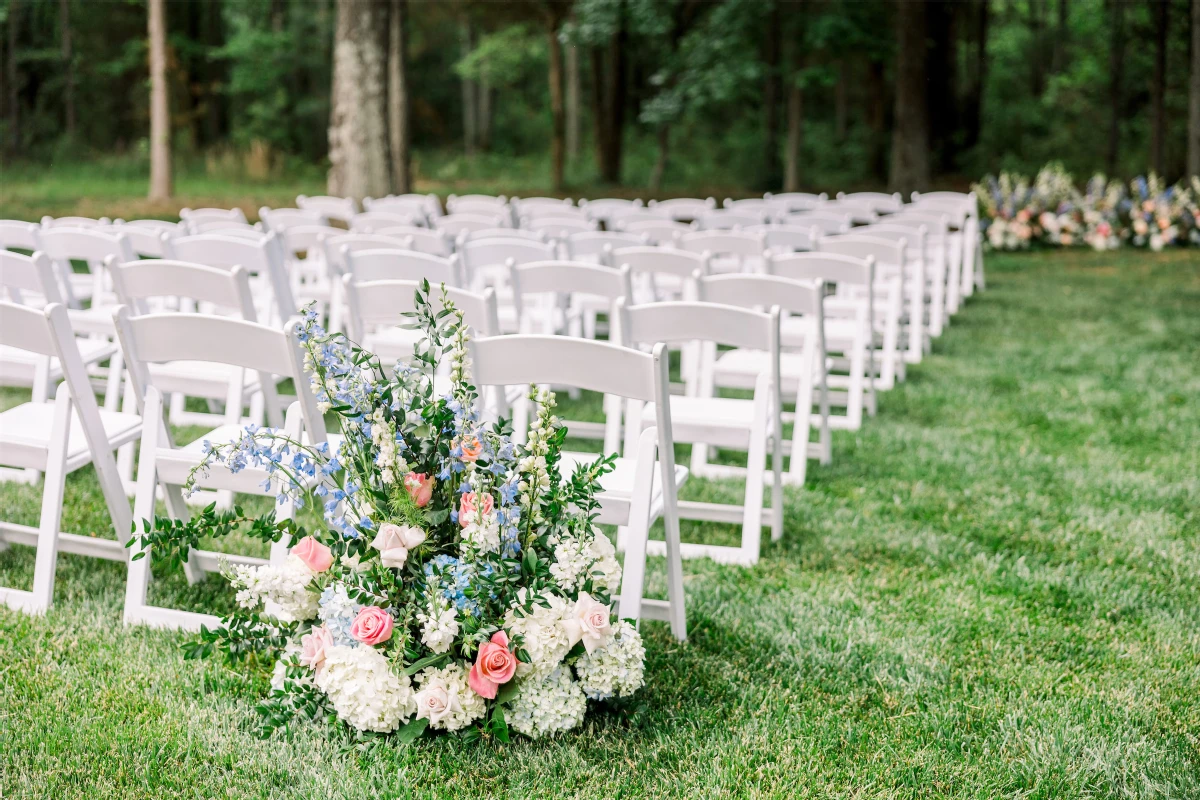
(839, 333)
(18, 366)
(25, 434)
(617, 487)
(97, 318)
(739, 369)
(719, 421)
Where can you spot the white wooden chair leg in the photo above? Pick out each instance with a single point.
(50, 522)
(637, 532)
(138, 579)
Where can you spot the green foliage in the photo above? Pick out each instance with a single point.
(506, 57)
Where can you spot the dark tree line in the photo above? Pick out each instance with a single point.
(780, 93)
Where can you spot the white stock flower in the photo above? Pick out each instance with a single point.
(364, 690)
(439, 623)
(544, 635)
(281, 589)
(482, 535)
(618, 670)
(445, 698)
(548, 706)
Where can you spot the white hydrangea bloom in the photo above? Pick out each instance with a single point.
(616, 671)
(482, 536)
(544, 637)
(439, 623)
(280, 589)
(548, 706)
(364, 690)
(606, 570)
(445, 698)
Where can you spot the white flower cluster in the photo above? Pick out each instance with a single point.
(576, 560)
(616, 671)
(364, 690)
(281, 589)
(543, 708)
(446, 700)
(383, 436)
(439, 622)
(482, 535)
(460, 362)
(544, 637)
(533, 465)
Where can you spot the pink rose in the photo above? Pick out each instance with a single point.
(372, 626)
(394, 541)
(419, 487)
(315, 555)
(494, 665)
(590, 621)
(312, 647)
(467, 508)
(472, 448)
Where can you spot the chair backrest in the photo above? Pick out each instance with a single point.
(269, 351)
(534, 207)
(787, 238)
(359, 241)
(860, 212)
(483, 253)
(756, 206)
(879, 202)
(831, 268)
(75, 222)
(567, 278)
(558, 227)
(455, 223)
(788, 202)
(658, 231)
(763, 292)
(681, 321)
(680, 208)
(17, 234)
(723, 243)
(382, 302)
(137, 281)
(610, 209)
(434, 242)
(339, 208)
(393, 264)
(93, 245)
(883, 251)
(661, 260)
(600, 244)
(497, 203)
(47, 332)
(426, 205)
(915, 238)
(205, 214)
(958, 200)
(224, 226)
(501, 233)
(146, 235)
(308, 239)
(938, 222)
(258, 257)
(276, 219)
(370, 221)
(826, 222)
(32, 274)
(724, 219)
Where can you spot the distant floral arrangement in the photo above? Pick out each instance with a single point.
(460, 584)
(1017, 213)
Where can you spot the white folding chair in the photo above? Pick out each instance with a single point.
(433, 242)
(891, 260)
(964, 207)
(827, 222)
(728, 251)
(454, 224)
(610, 210)
(662, 273)
(496, 204)
(75, 222)
(371, 221)
(535, 207)
(598, 246)
(18, 235)
(638, 490)
(927, 254)
(751, 425)
(227, 228)
(263, 259)
(756, 206)
(727, 219)
(802, 366)
(486, 262)
(860, 212)
(682, 208)
(558, 227)
(427, 206)
(790, 202)
(57, 439)
(277, 219)
(851, 315)
(948, 226)
(343, 209)
(655, 230)
(191, 215)
(164, 338)
(787, 238)
(878, 202)
(93, 246)
(146, 236)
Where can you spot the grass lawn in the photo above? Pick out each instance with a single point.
(994, 591)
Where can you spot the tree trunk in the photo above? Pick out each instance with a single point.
(608, 86)
(68, 58)
(485, 94)
(1158, 89)
(1058, 61)
(14, 78)
(160, 112)
(660, 163)
(470, 102)
(771, 98)
(572, 103)
(558, 121)
(795, 139)
(1116, 74)
(1037, 28)
(877, 119)
(359, 163)
(973, 113)
(941, 87)
(1193, 146)
(910, 133)
(398, 131)
(841, 100)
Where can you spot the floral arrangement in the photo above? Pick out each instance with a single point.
(458, 584)
(1017, 212)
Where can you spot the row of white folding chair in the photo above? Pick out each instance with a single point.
(427, 206)
(56, 439)
(963, 210)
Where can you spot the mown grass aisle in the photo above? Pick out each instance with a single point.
(994, 590)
